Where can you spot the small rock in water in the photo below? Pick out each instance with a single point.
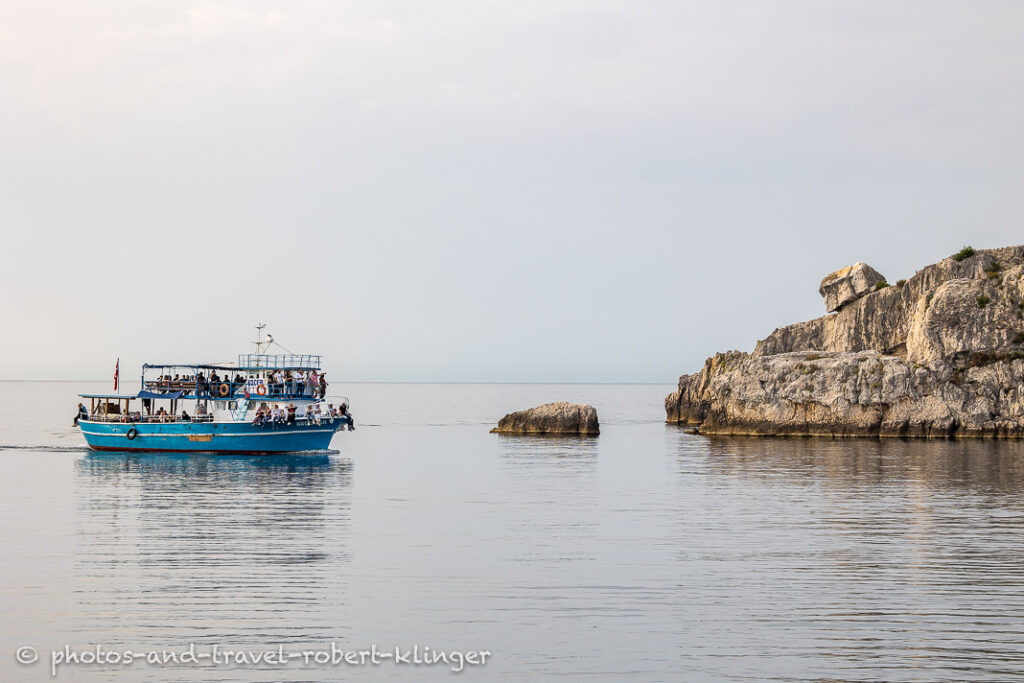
(562, 418)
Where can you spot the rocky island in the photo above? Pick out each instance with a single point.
(940, 354)
(553, 419)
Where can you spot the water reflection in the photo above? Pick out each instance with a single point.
(207, 547)
(184, 463)
(544, 470)
(885, 554)
(560, 451)
(996, 466)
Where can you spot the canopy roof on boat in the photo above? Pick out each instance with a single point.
(191, 366)
(142, 394)
(157, 394)
(117, 397)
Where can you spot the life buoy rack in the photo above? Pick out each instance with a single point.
(224, 389)
(261, 389)
(132, 433)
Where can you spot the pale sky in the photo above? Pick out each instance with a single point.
(483, 191)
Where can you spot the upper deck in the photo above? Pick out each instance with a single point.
(283, 376)
(249, 362)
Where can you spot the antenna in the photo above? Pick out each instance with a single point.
(261, 344)
(259, 336)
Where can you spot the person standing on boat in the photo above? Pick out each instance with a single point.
(278, 382)
(299, 383)
(323, 385)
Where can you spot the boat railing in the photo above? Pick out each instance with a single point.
(223, 391)
(168, 419)
(126, 419)
(170, 385)
(286, 390)
(272, 361)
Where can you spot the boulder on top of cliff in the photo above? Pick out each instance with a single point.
(556, 419)
(848, 284)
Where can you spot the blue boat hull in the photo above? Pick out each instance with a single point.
(207, 437)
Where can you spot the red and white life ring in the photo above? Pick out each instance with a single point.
(261, 389)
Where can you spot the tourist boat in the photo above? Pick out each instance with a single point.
(201, 411)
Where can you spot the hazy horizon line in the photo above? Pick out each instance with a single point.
(389, 382)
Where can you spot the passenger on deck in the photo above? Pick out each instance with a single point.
(261, 417)
(291, 413)
(331, 410)
(346, 416)
(309, 412)
(82, 414)
(185, 417)
(276, 417)
(299, 382)
(161, 414)
(317, 413)
(312, 384)
(323, 385)
(201, 410)
(278, 382)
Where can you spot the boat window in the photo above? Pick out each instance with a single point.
(232, 405)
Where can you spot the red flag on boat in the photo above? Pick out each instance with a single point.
(117, 371)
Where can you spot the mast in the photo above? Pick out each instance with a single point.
(261, 345)
(259, 337)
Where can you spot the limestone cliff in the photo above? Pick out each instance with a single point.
(940, 354)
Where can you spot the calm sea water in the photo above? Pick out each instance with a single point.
(645, 554)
